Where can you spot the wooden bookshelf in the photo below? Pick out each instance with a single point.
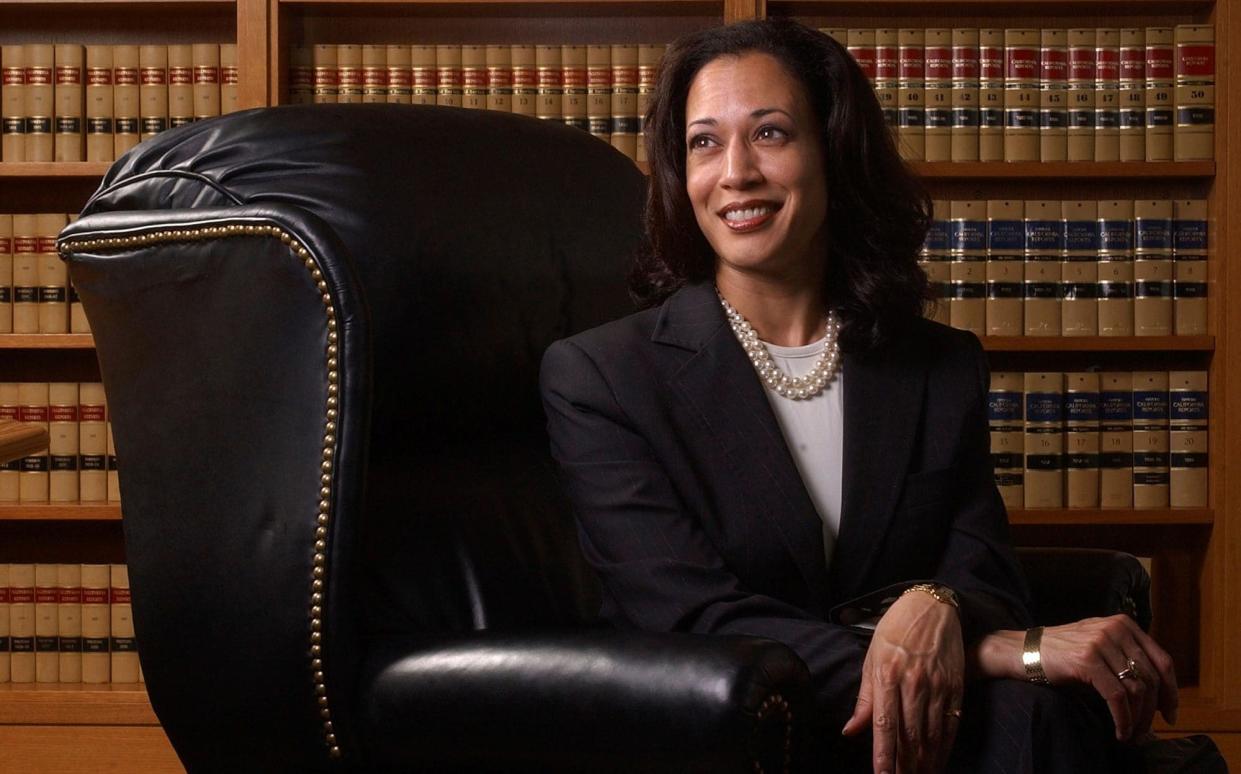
(32, 170)
(1111, 516)
(1098, 343)
(75, 704)
(1064, 170)
(46, 341)
(60, 512)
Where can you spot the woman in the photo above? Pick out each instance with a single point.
(784, 431)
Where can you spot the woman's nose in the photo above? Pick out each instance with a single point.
(740, 165)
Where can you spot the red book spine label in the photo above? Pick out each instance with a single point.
(92, 413)
(21, 596)
(153, 76)
(68, 76)
(325, 77)
(1022, 63)
(1107, 64)
(1054, 65)
(886, 63)
(63, 413)
(1081, 64)
(120, 596)
(301, 77)
(1132, 64)
(9, 412)
(69, 596)
(448, 78)
(94, 596)
(1193, 61)
(965, 63)
(45, 244)
(574, 77)
(599, 78)
(423, 78)
(6, 245)
(32, 413)
(991, 63)
(549, 77)
(911, 64)
(624, 75)
(228, 76)
(474, 78)
(865, 58)
(25, 244)
(206, 74)
(524, 77)
(349, 77)
(13, 76)
(4, 595)
(398, 77)
(45, 595)
(376, 77)
(1160, 64)
(99, 76)
(38, 76)
(939, 63)
(500, 77)
(126, 76)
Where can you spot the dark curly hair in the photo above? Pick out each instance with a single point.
(878, 211)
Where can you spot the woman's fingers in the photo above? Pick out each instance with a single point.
(1109, 686)
(859, 721)
(916, 702)
(886, 723)
(1161, 664)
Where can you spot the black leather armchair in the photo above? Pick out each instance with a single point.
(319, 329)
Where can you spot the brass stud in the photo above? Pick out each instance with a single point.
(324, 492)
(317, 275)
(316, 611)
(331, 350)
(325, 506)
(331, 738)
(321, 690)
(318, 573)
(325, 465)
(320, 545)
(316, 626)
(329, 439)
(316, 663)
(331, 333)
(331, 326)
(333, 376)
(295, 246)
(320, 532)
(315, 650)
(327, 454)
(331, 389)
(320, 558)
(316, 585)
(318, 676)
(285, 238)
(316, 598)
(327, 300)
(326, 479)
(315, 638)
(308, 263)
(334, 752)
(323, 519)
(331, 413)
(322, 286)
(322, 701)
(325, 713)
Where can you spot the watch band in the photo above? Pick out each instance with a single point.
(941, 593)
(1032, 656)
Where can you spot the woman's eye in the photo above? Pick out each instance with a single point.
(699, 141)
(771, 133)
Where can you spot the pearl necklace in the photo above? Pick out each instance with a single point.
(825, 368)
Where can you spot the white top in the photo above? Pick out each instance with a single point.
(814, 430)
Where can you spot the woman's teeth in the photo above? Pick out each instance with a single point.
(749, 214)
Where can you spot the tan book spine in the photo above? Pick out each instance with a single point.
(349, 73)
(63, 447)
(573, 73)
(1189, 250)
(1160, 92)
(525, 80)
(1044, 440)
(180, 85)
(400, 84)
(887, 77)
(1079, 273)
(423, 75)
(1079, 144)
(25, 274)
(599, 91)
(500, 79)
(96, 624)
(964, 96)
(911, 93)
(5, 632)
(6, 273)
(1053, 93)
(1006, 252)
(1044, 253)
(92, 443)
(448, 75)
(46, 625)
(99, 104)
(114, 481)
(69, 96)
(474, 77)
(13, 103)
(206, 57)
(969, 266)
(126, 98)
(1188, 439)
(301, 75)
(860, 43)
(10, 472)
(625, 99)
(1194, 136)
(839, 34)
(1081, 439)
(122, 644)
(40, 102)
(1133, 94)
(935, 258)
(153, 92)
(21, 623)
(53, 275)
(230, 79)
(1150, 439)
(69, 623)
(938, 84)
(32, 406)
(1152, 267)
(374, 74)
(1116, 268)
(649, 57)
(1021, 94)
(991, 95)
(1004, 416)
(327, 75)
(1116, 440)
(1107, 95)
(550, 104)
(77, 313)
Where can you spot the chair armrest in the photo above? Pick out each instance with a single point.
(582, 701)
(1068, 584)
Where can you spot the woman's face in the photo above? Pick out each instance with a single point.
(754, 167)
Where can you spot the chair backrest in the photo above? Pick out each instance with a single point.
(319, 330)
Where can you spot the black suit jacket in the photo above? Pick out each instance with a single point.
(692, 512)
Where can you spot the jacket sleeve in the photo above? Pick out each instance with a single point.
(658, 569)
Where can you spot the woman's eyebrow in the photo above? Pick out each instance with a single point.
(759, 113)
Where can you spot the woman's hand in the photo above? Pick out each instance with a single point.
(912, 682)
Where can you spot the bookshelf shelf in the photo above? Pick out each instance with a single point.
(1109, 516)
(60, 512)
(1098, 343)
(33, 170)
(42, 704)
(1063, 170)
(46, 341)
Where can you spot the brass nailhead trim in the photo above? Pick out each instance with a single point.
(778, 703)
(323, 517)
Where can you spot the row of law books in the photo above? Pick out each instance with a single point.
(1002, 267)
(35, 293)
(602, 89)
(79, 464)
(67, 102)
(1088, 94)
(67, 623)
(1100, 439)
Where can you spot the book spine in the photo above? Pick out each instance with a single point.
(230, 79)
(474, 76)
(969, 266)
(69, 142)
(550, 103)
(499, 79)
(649, 57)
(991, 95)
(1189, 252)
(911, 93)
(1081, 439)
(964, 97)
(1080, 140)
(1116, 440)
(861, 46)
(180, 85)
(1006, 247)
(92, 444)
(6, 273)
(77, 313)
(11, 471)
(40, 102)
(349, 73)
(375, 75)
(1132, 94)
(448, 76)
(63, 443)
(99, 104)
(1004, 416)
(1079, 272)
(935, 258)
(1107, 95)
(599, 91)
(25, 274)
(46, 625)
(153, 90)
(625, 99)
(1150, 439)
(32, 406)
(1160, 92)
(1053, 113)
(938, 69)
(114, 481)
(422, 75)
(838, 34)
(887, 77)
(96, 624)
(1044, 253)
(327, 76)
(301, 76)
(21, 623)
(1188, 439)
(525, 80)
(573, 70)
(53, 275)
(1021, 94)
(1152, 267)
(13, 103)
(1194, 136)
(206, 58)
(69, 623)
(126, 98)
(1116, 268)
(1044, 440)
(5, 631)
(400, 86)
(122, 645)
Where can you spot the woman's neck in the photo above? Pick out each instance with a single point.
(788, 314)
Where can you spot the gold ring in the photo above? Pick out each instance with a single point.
(1126, 673)
(954, 713)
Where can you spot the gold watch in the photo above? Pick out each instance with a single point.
(941, 593)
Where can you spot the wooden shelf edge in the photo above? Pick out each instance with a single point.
(1098, 516)
(999, 7)
(1000, 170)
(80, 170)
(31, 704)
(47, 341)
(1198, 714)
(287, 3)
(1098, 343)
(60, 512)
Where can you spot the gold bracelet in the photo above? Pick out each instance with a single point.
(941, 593)
(1032, 656)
